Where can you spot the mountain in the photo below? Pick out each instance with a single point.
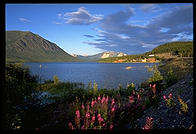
(99, 56)
(29, 47)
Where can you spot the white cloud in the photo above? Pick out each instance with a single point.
(147, 7)
(24, 20)
(137, 38)
(81, 17)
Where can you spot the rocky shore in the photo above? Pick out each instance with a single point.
(165, 117)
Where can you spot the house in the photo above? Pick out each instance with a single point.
(151, 60)
(119, 61)
(144, 60)
(151, 55)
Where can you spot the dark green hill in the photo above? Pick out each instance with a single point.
(29, 47)
(182, 49)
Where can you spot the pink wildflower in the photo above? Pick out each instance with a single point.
(93, 118)
(150, 85)
(92, 103)
(138, 96)
(99, 98)
(111, 127)
(107, 99)
(95, 128)
(87, 115)
(131, 99)
(82, 127)
(100, 119)
(170, 95)
(88, 107)
(102, 100)
(154, 86)
(113, 101)
(113, 109)
(83, 106)
(77, 113)
(98, 115)
(70, 125)
(164, 97)
(104, 125)
(149, 123)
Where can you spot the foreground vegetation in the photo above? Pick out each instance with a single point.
(56, 105)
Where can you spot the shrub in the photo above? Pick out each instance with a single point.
(170, 78)
(184, 106)
(95, 88)
(56, 79)
(156, 77)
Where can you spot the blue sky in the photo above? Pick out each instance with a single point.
(88, 29)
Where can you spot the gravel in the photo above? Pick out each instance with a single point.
(165, 117)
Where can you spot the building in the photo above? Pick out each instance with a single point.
(119, 61)
(151, 55)
(144, 60)
(151, 60)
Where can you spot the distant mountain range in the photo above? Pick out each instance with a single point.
(29, 47)
(99, 56)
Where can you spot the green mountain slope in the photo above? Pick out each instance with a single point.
(28, 47)
(182, 49)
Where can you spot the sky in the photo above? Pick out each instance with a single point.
(87, 29)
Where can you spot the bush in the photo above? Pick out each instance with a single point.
(156, 77)
(56, 79)
(170, 78)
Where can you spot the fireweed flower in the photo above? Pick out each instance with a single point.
(77, 113)
(111, 127)
(107, 99)
(92, 103)
(98, 116)
(113, 101)
(82, 127)
(131, 99)
(154, 86)
(93, 118)
(87, 115)
(170, 95)
(113, 109)
(99, 98)
(138, 96)
(104, 125)
(83, 106)
(150, 85)
(164, 97)
(100, 119)
(103, 100)
(70, 125)
(149, 123)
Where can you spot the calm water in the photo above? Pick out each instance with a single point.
(106, 75)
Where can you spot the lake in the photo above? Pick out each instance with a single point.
(106, 75)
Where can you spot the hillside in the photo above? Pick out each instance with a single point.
(180, 49)
(29, 47)
(100, 56)
(168, 50)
